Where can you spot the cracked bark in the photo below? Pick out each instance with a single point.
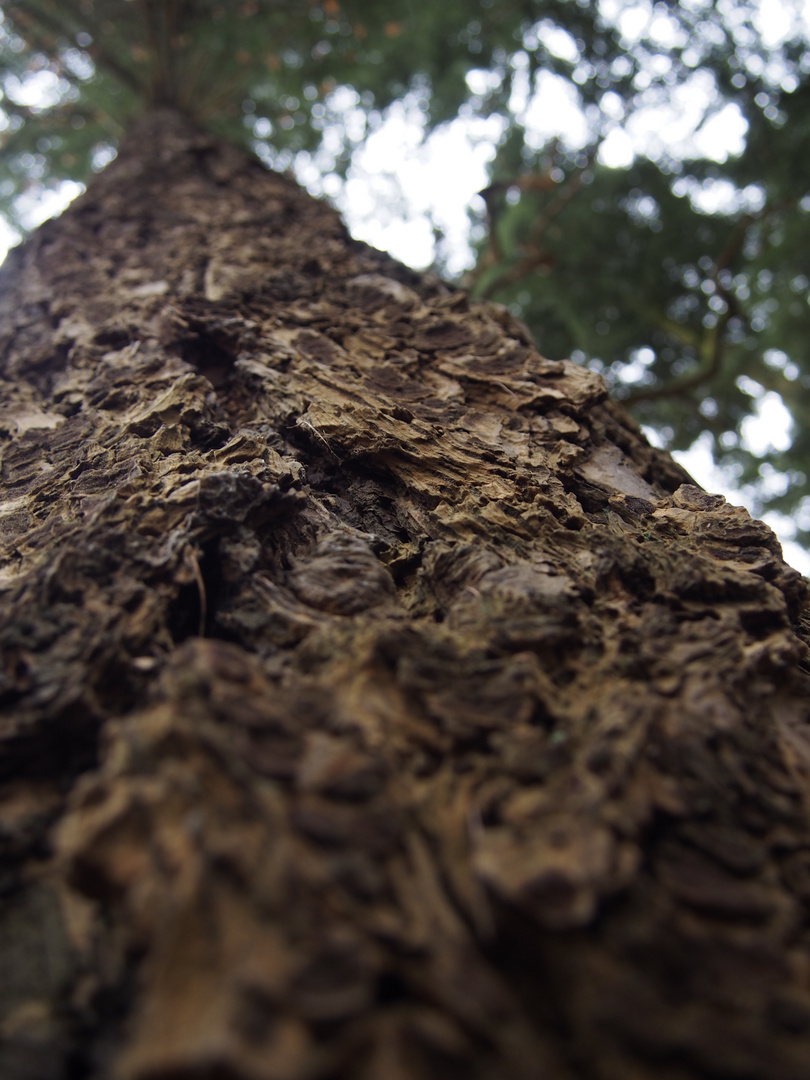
(376, 703)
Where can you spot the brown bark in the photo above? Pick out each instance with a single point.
(376, 703)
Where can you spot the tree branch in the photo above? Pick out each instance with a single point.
(55, 25)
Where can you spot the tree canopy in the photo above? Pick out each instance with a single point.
(681, 272)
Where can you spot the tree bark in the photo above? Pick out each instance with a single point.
(376, 703)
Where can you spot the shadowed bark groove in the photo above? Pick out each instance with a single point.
(376, 703)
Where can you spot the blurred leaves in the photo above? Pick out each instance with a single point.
(620, 229)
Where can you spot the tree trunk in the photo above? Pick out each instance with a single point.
(377, 704)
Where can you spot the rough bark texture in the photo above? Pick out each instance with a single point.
(376, 703)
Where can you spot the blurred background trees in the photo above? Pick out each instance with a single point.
(646, 201)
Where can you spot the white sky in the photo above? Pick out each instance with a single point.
(398, 185)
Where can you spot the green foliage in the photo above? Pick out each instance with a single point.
(684, 278)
